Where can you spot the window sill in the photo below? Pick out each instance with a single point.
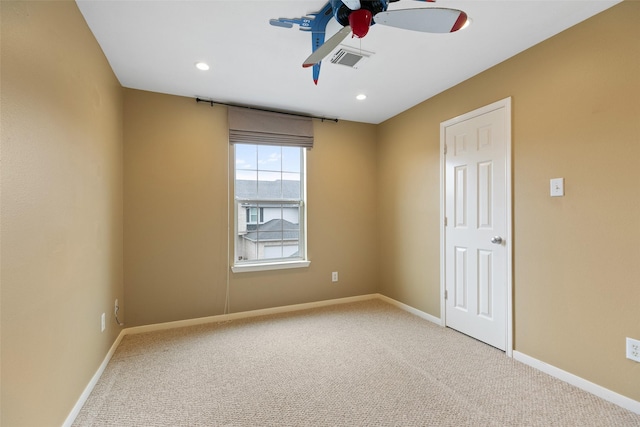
(246, 268)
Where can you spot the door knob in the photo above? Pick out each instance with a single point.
(497, 240)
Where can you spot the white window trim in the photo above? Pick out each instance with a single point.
(266, 266)
(276, 264)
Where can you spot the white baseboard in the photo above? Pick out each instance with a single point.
(277, 310)
(246, 314)
(408, 308)
(94, 380)
(604, 393)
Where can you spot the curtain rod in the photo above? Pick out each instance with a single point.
(208, 101)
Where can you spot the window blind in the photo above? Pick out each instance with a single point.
(247, 126)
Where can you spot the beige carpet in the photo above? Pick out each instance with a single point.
(360, 364)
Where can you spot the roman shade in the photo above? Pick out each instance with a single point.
(250, 126)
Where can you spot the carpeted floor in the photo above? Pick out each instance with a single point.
(361, 364)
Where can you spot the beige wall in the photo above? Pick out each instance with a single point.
(176, 159)
(61, 217)
(576, 114)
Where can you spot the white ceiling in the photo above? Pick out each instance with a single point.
(153, 45)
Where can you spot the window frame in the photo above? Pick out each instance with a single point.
(273, 263)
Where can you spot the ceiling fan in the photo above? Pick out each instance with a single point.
(356, 16)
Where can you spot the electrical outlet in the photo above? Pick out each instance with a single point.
(103, 322)
(633, 349)
(334, 276)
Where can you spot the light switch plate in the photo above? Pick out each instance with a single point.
(557, 187)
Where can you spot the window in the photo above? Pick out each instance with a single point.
(270, 206)
(252, 215)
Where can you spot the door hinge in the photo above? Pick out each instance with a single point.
(445, 221)
(446, 294)
(445, 150)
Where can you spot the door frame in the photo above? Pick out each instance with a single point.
(506, 104)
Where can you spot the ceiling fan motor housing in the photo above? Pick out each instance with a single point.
(359, 19)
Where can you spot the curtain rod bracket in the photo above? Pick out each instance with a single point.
(212, 102)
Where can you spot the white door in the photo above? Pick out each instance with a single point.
(477, 254)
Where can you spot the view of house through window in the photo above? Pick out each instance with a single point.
(269, 198)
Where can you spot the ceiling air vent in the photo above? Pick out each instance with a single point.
(350, 57)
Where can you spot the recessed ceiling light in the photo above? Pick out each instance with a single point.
(361, 97)
(466, 24)
(202, 66)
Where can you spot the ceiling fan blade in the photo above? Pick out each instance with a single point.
(326, 48)
(428, 20)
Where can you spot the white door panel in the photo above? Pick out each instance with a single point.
(476, 255)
